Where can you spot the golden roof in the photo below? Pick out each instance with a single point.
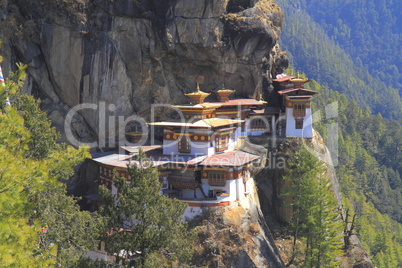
(211, 105)
(198, 96)
(218, 122)
(298, 79)
(223, 94)
(202, 123)
(199, 106)
(224, 90)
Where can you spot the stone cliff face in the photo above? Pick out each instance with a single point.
(135, 53)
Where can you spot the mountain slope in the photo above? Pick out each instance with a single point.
(323, 60)
(369, 172)
(369, 31)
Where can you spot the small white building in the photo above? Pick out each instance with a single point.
(296, 101)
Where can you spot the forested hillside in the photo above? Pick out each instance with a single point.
(369, 172)
(322, 58)
(354, 47)
(370, 31)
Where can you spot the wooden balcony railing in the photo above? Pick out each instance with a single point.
(299, 112)
(181, 182)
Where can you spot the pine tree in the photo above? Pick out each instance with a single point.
(314, 217)
(39, 224)
(74, 232)
(142, 223)
(18, 177)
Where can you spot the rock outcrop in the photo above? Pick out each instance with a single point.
(235, 236)
(131, 54)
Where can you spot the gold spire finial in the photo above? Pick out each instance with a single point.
(197, 96)
(223, 94)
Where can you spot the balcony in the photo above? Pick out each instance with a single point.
(182, 182)
(299, 112)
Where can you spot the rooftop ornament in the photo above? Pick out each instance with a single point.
(298, 79)
(198, 96)
(223, 94)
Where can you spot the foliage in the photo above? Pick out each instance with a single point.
(17, 238)
(380, 235)
(87, 262)
(368, 150)
(312, 51)
(32, 197)
(354, 47)
(369, 31)
(369, 171)
(142, 222)
(314, 211)
(43, 136)
(66, 226)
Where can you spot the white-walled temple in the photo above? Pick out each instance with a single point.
(200, 159)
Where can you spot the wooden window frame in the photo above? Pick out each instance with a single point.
(299, 123)
(221, 143)
(299, 109)
(259, 124)
(184, 145)
(217, 178)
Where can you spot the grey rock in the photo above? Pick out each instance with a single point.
(134, 53)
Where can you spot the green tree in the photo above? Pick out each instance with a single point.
(73, 231)
(142, 222)
(43, 135)
(18, 178)
(314, 211)
(39, 224)
(312, 48)
(369, 174)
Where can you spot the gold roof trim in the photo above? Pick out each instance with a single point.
(298, 79)
(199, 106)
(224, 91)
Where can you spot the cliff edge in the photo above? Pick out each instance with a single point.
(235, 236)
(131, 54)
(270, 184)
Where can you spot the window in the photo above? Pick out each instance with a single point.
(299, 109)
(259, 123)
(221, 143)
(184, 145)
(216, 178)
(299, 123)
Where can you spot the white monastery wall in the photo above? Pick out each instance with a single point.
(291, 130)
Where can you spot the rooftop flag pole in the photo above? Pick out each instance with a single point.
(4, 85)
